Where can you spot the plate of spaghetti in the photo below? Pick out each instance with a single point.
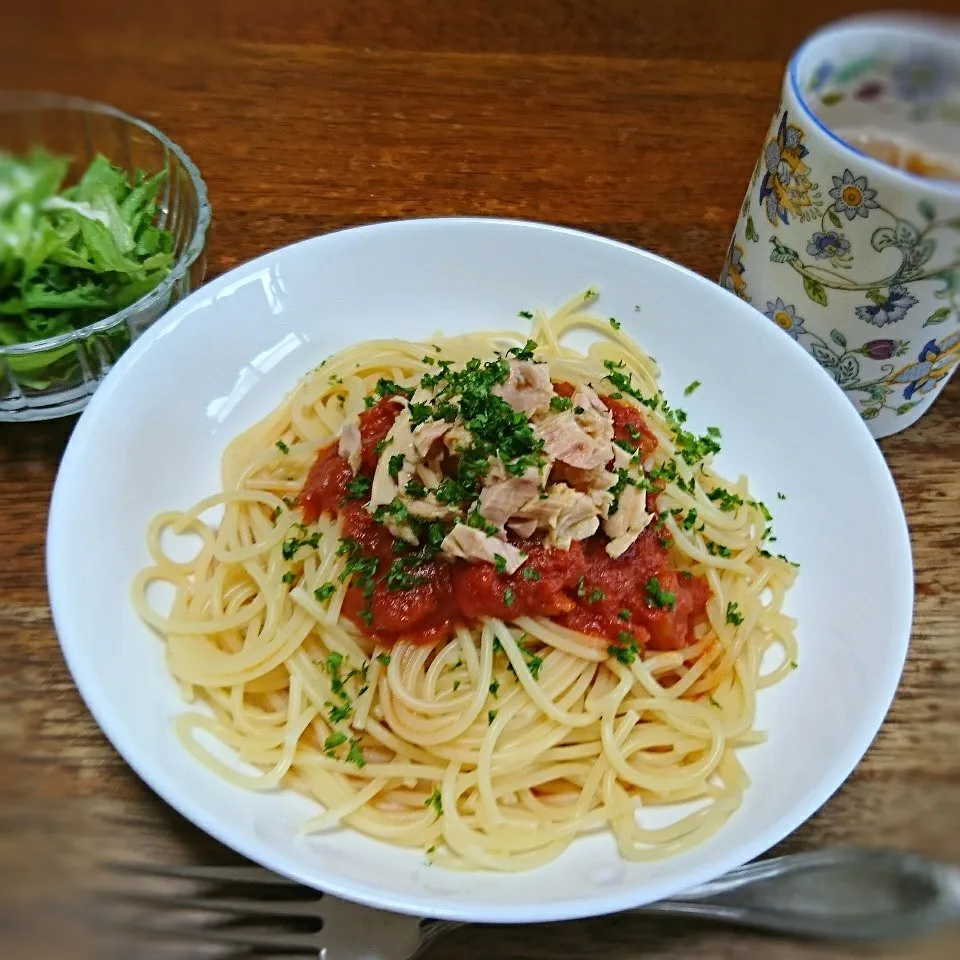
(480, 569)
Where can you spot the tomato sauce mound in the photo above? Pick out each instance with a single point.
(611, 599)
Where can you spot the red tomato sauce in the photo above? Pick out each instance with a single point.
(581, 588)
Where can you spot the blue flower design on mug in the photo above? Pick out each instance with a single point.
(852, 195)
(829, 245)
(785, 317)
(888, 309)
(936, 360)
(920, 79)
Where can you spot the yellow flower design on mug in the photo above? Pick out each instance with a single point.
(787, 190)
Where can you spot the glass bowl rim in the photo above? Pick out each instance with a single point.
(12, 102)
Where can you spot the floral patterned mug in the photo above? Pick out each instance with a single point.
(856, 258)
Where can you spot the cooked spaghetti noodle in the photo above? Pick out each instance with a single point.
(489, 736)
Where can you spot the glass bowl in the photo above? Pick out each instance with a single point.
(56, 377)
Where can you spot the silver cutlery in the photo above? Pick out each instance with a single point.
(832, 894)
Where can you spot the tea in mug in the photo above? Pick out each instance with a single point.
(902, 154)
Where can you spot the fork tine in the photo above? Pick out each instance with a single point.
(226, 874)
(246, 907)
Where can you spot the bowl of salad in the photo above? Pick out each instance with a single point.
(103, 224)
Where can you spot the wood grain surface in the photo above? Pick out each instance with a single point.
(639, 120)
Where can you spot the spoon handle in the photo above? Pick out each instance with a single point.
(837, 894)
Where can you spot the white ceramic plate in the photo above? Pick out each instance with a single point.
(152, 436)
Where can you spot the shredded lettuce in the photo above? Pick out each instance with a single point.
(72, 256)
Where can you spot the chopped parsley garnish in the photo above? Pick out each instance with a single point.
(369, 401)
(356, 754)
(334, 741)
(793, 664)
(624, 614)
(526, 314)
(658, 597)
(596, 595)
(494, 688)
(714, 703)
(491, 716)
(275, 515)
(559, 403)
(628, 651)
(415, 489)
(691, 387)
(615, 323)
(435, 801)
(690, 520)
(382, 445)
(727, 501)
(324, 592)
(383, 659)
(282, 447)
(340, 712)
(360, 570)
(734, 616)
(718, 550)
(395, 465)
(389, 388)
(781, 496)
(399, 576)
(508, 597)
(529, 573)
(291, 545)
(359, 487)
(499, 563)
(288, 577)
(623, 383)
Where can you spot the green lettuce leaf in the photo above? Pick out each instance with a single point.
(70, 256)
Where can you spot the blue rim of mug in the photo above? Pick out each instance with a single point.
(918, 24)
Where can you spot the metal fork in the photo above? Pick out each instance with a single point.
(836, 894)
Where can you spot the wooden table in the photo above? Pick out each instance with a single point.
(636, 120)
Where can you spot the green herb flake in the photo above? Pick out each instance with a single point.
(658, 597)
(734, 616)
(288, 577)
(615, 323)
(435, 801)
(526, 314)
(359, 487)
(718, 550)
(560, 404)
(691, 387)
(355, 755)
(325, 592)
(282, 447)
(383, 659)
(334, 740)
(529, 573)
(494, 688)
(624, 614)
(499, 563)
(395, 465)
(628, 651)
(491, 716)
(508, 597)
